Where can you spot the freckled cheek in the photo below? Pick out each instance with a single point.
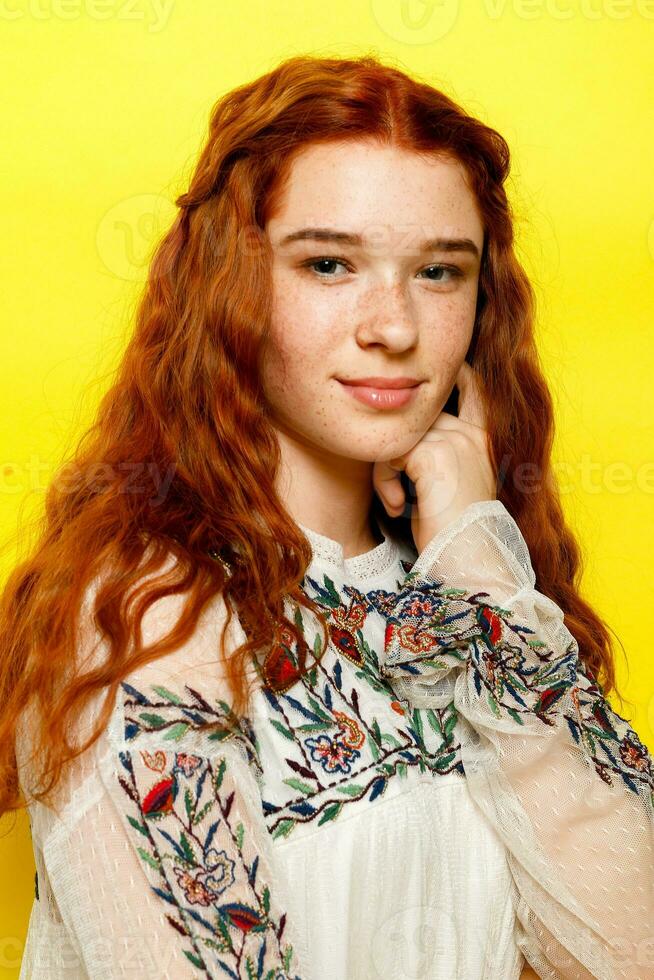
(297, 362)
(453, 332)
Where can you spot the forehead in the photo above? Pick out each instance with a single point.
(361, 184)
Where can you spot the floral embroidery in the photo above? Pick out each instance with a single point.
(518, 672)
(197, 852)
(327, 753)
(168, 714)
(280, 670)
(321, 720)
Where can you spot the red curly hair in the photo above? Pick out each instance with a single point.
(187, 402)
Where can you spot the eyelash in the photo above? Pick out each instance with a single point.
(455, 272)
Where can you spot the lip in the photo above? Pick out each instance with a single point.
(380, 382)
(381, 397)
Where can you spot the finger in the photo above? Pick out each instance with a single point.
(471, 405)
(386, 481)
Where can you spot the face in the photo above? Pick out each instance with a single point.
(380, 299)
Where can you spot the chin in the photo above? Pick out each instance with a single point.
(377, 449)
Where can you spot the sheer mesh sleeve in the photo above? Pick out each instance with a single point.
(563, 778)
(160, 863)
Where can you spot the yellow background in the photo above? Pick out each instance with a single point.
(106, 106)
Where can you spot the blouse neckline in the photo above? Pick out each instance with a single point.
(368, 564)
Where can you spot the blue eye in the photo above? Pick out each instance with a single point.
(326, 260)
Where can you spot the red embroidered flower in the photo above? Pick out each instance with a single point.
(194, 890)
(417, 638)
(187, 763)
(634, 754)
(344, 641)
(160, 798)
(491, 623)
(420, 606)
(241, 916)
(333, 754)
(352, 734)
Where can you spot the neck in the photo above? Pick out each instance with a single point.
(330, 495)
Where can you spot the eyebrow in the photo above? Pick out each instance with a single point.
(348, 238)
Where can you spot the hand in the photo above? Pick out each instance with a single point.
(450, 466)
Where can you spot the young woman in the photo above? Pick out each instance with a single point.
(285, 697)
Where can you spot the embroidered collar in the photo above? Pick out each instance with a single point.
(369, 564)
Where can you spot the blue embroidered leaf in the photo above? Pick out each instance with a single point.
(303, 808)
(270, 697)
(252, 876)
(572, 725)
(630, 783)
(210, 835)
(173, 843)
(131, 730)
(316, 715)
(228, 970)
(136, 695)
(511, 689)
(377, 788)
(194, 716)
(200, 783)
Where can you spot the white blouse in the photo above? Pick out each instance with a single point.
(444, 795)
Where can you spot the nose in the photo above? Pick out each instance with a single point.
(387, 319)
